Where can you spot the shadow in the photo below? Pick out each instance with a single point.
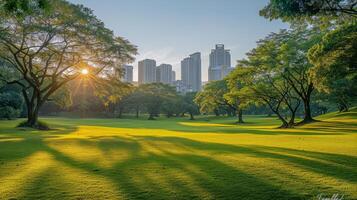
(267, 126)
(164, 175)
(335, 165)
(149, 167)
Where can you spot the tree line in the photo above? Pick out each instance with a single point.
(313, 62)
(307, 69)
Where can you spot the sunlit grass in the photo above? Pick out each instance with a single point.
(209, 158)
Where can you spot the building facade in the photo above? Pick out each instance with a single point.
(173, 77)
(219, 63)
(147, 71)
(127, 74)
(164, 73)
(191, 72)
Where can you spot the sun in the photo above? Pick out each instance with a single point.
(84, 71)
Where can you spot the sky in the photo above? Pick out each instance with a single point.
(170, 30)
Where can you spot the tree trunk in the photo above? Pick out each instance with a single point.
(216, 112)
(191, 116)
(292, 119)
(240, 116)
(285, 123)
(307, 112)
(343, 106)
(151, 116)
(120, 112)
(137, 112)
(32, 115)
(32, 118)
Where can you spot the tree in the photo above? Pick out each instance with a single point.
(23, 7)
(155, 95)
(295, 66)
(111, 91)
(211, 98)
(189, 106)
(49, 48)
(335, 65)
(290, 10)
(172, 105)
(275, 74)
(253, 83)
(135, 100)
(237, 95)
(10, 105)
(332, 56)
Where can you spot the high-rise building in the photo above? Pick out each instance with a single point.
(147, 71)
(164, 73)
(219, 63)
(173, 77)
(127, 75)
(185, 65)
(191, 72)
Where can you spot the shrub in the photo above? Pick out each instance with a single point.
(7, 112)
(10, 105)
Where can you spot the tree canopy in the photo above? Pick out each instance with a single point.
(49, 48)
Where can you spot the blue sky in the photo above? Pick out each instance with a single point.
(169, 30)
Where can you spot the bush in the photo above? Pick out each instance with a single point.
(7, 112)
(11, 99)
(10, 105)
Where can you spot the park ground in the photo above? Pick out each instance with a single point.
(208, 158)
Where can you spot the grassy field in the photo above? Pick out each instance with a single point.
(209, 158)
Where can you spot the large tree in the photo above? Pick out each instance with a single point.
(294, 65)
(292, 10)
(335, 65)
(189, 106)
(50, 47)
(154, 97)
(211, 98)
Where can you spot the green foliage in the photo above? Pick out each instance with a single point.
(188, 104)
(10, 105)
(154, 96)
(8, 112)
(111, 89)
(310, 10)
(335, 65)
(54, 46)
(334, 57)
(11, 99)
(211, 98)
(24, 7)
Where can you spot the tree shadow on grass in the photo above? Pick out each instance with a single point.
(163, 174)
(325, 128)
(335, 165)
(16, 143)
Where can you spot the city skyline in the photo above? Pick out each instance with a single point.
(184, 27)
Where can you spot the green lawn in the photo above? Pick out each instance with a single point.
(209, 158)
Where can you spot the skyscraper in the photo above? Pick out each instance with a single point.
(185, 65)
(164, 73)
(147, 71)
(173, 77)
(219, 63)
(127, 73)
(191, 72)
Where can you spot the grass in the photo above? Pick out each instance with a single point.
(209, 158)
